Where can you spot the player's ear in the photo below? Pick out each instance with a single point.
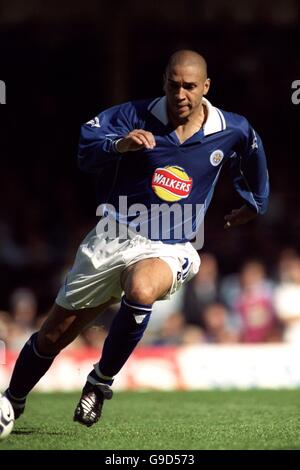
(206, 86)
(164, 82)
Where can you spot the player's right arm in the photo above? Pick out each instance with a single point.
(136, 140)
(98, 137)
(115, 131)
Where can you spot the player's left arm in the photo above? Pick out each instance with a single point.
(239, 216)
(250, 177)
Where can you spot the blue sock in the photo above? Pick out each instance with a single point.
(29, 369)
(125, 332)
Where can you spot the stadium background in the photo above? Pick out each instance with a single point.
(63, 62)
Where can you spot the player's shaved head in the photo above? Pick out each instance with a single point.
(186, 58)
(185, 84)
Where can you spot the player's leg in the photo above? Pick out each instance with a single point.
(143, 283)
(61, 327)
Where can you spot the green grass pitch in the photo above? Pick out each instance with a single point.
(256, 419)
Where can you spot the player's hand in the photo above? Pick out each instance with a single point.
(239, 216)
(136, 140)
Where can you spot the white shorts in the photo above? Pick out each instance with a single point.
(95, 276)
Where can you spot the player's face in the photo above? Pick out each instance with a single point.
(184, 87)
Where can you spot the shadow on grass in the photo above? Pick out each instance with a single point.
(288, 448)
(25, 431)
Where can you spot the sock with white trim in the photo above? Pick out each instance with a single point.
(125, 332)
(29, 369)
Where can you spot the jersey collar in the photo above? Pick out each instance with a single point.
(215, 121)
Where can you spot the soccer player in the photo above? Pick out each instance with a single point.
(164, 152)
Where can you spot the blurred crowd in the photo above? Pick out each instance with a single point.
(251, 306)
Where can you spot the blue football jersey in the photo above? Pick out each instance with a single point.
(173, 173)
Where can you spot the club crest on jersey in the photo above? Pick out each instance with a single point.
(216, 157)
(171, 183)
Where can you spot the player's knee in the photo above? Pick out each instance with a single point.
(141, 292)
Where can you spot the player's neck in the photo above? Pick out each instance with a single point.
(187, 127)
